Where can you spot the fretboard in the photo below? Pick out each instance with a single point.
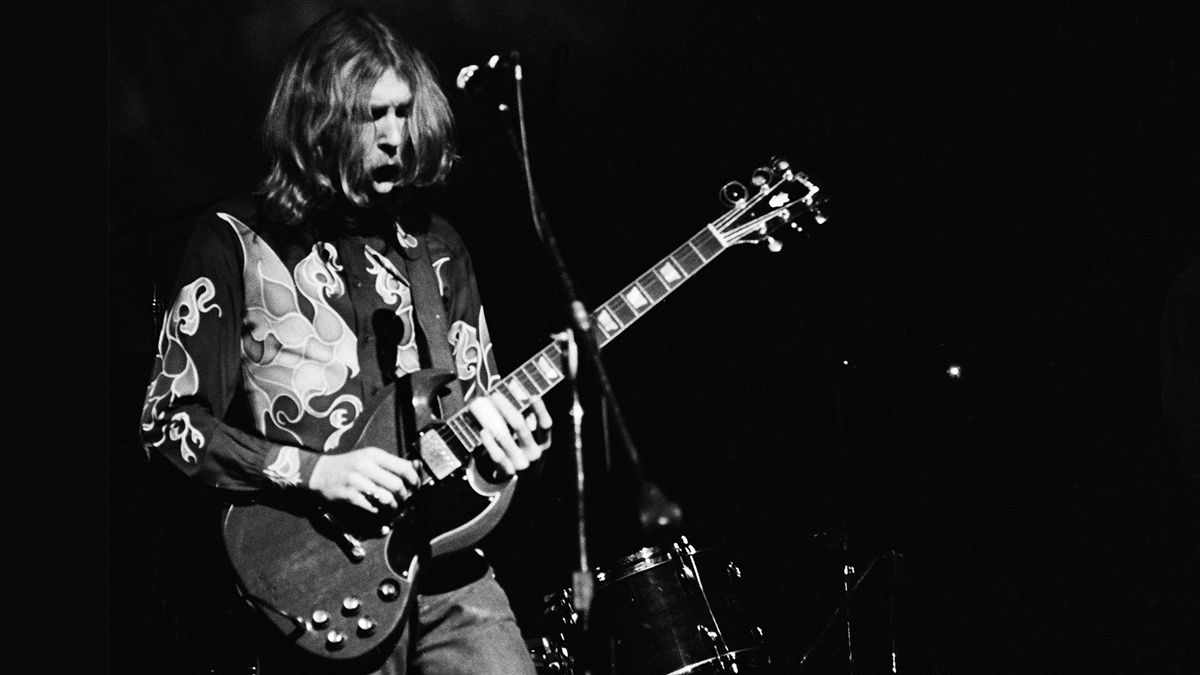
(544, 370)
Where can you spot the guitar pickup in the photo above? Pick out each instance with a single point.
(437, 455)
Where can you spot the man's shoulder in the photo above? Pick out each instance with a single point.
(239, 216)
(442, 232)
(245, 208)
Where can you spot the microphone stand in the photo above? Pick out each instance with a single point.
(655, 511)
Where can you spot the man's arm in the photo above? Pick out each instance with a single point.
(196, 376)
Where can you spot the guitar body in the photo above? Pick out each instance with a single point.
(339, 581)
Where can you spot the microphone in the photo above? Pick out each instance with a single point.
(476, 80)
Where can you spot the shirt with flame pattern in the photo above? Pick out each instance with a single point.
(281, 340)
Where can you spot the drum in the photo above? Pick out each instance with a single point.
(668, 611)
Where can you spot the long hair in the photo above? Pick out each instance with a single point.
(314, 125)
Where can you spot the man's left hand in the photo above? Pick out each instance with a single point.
(513, 442)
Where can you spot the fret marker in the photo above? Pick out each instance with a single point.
(518, 390)
(669, 273)
(548, 370)
(635, 297)
(607, 322)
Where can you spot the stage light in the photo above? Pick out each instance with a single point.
(954, 371)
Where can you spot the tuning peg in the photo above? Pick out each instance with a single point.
(733, 192)
(781, 165)
(774, 245)
(761, 176)
(818, 217)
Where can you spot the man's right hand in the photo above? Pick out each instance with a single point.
(367, 477)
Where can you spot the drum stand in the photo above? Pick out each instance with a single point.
(851, 584)
(842, 611)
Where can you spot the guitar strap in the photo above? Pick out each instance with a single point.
(431, 315)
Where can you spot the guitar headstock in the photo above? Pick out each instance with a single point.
(779, 196)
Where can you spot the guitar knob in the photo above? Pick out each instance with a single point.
(733, 192)
(366, 625)
(351, 605)
(388, 590)
(320, 617)
(335, 639)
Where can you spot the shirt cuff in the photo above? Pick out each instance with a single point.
(289, 466)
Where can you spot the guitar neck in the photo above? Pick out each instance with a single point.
(544, 370)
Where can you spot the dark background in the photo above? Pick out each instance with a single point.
(1011, 189)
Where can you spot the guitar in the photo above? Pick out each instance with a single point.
(339, 582)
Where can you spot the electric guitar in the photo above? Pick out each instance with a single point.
(339, 581)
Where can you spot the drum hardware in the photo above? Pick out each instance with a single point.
(559, 609)
(686, 575)
(551, 656)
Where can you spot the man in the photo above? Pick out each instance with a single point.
(299, 308)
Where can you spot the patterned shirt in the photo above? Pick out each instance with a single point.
(281, 338)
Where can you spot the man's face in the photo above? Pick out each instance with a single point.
(385, 134)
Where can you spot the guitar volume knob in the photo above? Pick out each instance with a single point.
(351, 605)
(320, 617)
(335, 639)
(366, 625)
(388, 590)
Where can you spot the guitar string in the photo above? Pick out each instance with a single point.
(465, 428)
